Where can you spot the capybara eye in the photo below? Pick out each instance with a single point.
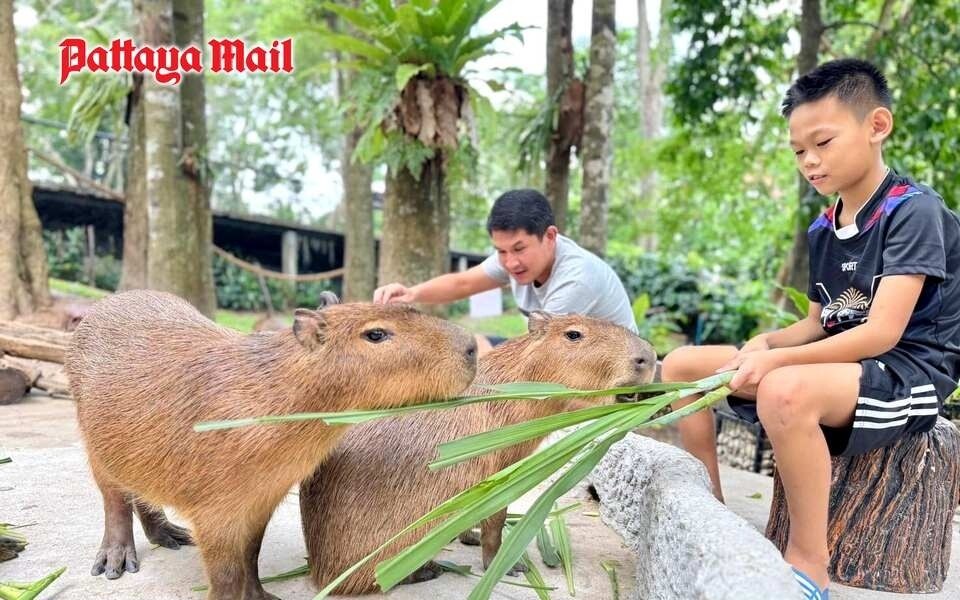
(573, 335)
(375, 335)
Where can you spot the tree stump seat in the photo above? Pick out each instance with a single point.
(891, 513)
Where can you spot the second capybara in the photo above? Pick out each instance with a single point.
(64, 314)
(376, 481)
(145, 366)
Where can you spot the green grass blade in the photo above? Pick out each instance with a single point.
(535, 578)
(558, 527)
(466, 571)
(611, 568)
(548, 550)
(531, 392)
(5, 459)
(524, 531)
(468, 447)
(38, 586)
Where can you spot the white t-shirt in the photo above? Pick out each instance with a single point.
(579, 283)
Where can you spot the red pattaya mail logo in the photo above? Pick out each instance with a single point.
(168, 64)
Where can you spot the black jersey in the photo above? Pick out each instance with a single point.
(903, 229)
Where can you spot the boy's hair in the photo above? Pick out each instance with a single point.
(857, 83)
(521, 209)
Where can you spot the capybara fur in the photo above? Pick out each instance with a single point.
(145, 367)
(376, 481)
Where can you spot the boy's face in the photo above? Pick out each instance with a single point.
(834, 148)
(525, 256)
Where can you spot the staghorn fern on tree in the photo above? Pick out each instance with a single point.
(413, 101)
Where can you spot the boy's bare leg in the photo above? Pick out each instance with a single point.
(792, 403)
(698, 431)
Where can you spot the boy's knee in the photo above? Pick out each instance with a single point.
(690, 363)
(783, 400)
(682, 364)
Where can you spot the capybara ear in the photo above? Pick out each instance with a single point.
(327, 299)
(309, 326)
(537, 321)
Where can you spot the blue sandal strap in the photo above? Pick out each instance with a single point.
(809, 587)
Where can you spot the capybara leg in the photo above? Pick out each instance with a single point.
(224, 567)
(470, 537)
(253, 589)
(491, 535)
(429, 571)
(159, 530)
(117, 550)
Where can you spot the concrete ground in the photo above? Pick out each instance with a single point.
(49, 485)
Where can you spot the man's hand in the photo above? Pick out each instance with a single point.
(393, 292)
(752, 367)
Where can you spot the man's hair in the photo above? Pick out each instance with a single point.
(857, 83)
(521, 209)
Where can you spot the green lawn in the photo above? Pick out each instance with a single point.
(72, 288)
(508, 325)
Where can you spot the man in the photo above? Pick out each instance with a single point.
(546, 271)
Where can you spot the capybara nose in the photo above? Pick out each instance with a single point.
(640, 362)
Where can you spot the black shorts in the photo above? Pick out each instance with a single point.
(896, 398)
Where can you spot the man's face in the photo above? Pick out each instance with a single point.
(834, 148)
(526, 257)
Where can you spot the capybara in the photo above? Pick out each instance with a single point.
(376, 481)
(145, 366)
(64, 314)
(270, 323)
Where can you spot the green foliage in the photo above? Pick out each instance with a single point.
(696, 299)
(394, 44)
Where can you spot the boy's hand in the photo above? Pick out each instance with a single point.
(756, 344)
(752, 368)
(393, 292)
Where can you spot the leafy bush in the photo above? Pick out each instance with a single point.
(687, 296)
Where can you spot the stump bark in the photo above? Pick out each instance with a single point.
(891, 513)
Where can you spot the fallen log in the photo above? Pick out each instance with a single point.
(28, 341)
(47, 376)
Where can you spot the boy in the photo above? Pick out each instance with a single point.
(878, 352)
(546, 270)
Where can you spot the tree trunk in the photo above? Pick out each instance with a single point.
(196, 242)
(651, 73)
(360, 276)
(24, 284)
(178, 234)
(597, 129)
(416, 232)
(891, 513)
(559, 75)
(360, 272)
(135, 226)
(796, 270)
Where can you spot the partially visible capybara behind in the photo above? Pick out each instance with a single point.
(64, 314)
(270, 323)
(145, 367)
(376, 481)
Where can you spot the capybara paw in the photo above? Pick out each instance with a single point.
(517, 569)
(427, 572)
(113, 560)
(169, 536)
(471, 537)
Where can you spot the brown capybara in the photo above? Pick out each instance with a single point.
(270, 323)
(63, 314)
(376, 481)
(145, 367)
